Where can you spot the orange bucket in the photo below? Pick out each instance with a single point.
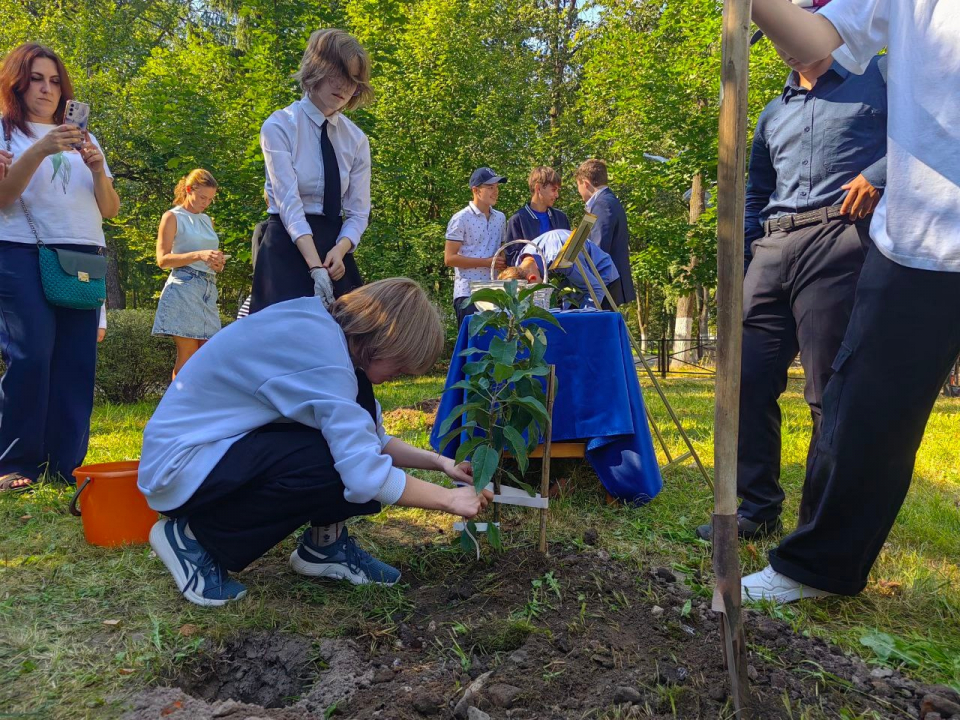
(114, 512)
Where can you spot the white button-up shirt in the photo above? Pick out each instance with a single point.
(593, 199)
(479, 237)
(290, 139)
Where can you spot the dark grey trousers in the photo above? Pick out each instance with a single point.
(798, 295)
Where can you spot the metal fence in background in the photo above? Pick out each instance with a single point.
(690, 357)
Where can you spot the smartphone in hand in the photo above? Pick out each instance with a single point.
(77, 113)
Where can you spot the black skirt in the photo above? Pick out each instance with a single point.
(280, 272)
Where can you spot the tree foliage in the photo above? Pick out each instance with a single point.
(177, 84)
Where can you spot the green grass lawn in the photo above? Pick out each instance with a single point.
(64, 655)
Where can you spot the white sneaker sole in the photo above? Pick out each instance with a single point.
(161, 546)
(782, 597)
(331, 571)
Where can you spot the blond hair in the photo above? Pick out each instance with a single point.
(391, 320)
(193, 179)
(330, 52)
(593, 171)
(511, 273)
(543, 176)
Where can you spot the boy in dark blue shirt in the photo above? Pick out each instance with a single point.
(537, 216)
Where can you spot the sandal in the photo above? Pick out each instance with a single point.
(15, 482)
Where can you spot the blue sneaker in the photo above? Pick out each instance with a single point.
(341, 560)
(201, 579)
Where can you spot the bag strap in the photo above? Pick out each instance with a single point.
(6, 137)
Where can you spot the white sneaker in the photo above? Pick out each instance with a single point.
(768, 584)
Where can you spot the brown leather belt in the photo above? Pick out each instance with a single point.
(789, 223)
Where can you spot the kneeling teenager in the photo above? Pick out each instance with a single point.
(264, 432)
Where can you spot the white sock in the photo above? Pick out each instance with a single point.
(323, 535)
(188, 532)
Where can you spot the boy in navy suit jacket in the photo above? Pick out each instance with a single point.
(610, 231)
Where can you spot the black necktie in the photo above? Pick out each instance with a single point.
(331, 175)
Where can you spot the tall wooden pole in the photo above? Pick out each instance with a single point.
(730, 212)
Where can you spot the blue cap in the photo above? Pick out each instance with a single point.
(485, 176)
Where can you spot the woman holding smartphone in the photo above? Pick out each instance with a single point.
(59, 175)
(188, 245)
(317, 175)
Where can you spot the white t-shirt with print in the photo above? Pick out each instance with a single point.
(479, 237)
(917, 223)
(60, 197)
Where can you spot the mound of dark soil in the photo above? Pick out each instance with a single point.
(572, 636)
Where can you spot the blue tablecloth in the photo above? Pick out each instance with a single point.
(598, 400)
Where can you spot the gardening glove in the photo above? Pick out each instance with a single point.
(322, 286)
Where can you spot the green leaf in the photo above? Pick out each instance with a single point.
(503, 351)
(687, 607)
(466, 448)
(485, 461)
(535, 407)
(455, 433)
(457, 414)
(546, 316)
(466, 542)
(472, 351)
(496, 297)
(493, 536)
(502, 372)
(531, 289)
(477, 368)
(518, 446)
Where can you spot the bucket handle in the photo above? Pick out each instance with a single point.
(74, 510)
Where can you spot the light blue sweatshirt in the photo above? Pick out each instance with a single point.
(288, 361)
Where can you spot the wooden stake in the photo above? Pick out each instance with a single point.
(730, 214)
(545, 467)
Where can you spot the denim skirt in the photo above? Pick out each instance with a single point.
(188, 305)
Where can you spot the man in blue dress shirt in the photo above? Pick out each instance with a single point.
(817, 168)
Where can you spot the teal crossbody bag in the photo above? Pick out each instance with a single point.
(69, 278)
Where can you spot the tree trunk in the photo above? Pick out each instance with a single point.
(685, 347)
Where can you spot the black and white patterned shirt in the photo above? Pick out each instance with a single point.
(479, 237)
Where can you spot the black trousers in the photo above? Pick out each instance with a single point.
(270, 482)
(901, 343)
(463, 308)
(798, 295)
(280, 272)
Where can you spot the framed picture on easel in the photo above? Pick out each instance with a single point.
(574, 245)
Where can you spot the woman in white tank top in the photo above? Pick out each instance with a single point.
(189, 246)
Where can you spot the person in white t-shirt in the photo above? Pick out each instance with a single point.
(59, 174)
(876, 405)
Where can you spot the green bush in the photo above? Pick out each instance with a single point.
(133, 364)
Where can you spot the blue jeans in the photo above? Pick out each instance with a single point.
(50, 353)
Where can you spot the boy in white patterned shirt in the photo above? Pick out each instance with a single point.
(474, 235)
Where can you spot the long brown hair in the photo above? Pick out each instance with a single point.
(195, 178)
(15, 79)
